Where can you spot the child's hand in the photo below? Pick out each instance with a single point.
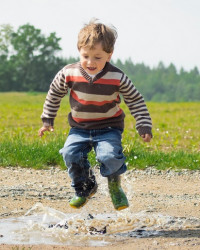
(43, 129)
(146, 137)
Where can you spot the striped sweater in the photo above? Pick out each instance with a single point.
(95, 103)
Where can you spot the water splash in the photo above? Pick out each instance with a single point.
(44, 225)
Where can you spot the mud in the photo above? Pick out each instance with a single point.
(164, 208)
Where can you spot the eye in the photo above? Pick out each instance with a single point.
(86, 57)
(97, 58)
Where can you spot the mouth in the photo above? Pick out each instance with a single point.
(91, 68)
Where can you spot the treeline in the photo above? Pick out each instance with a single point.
(29, 60)
(162, 83)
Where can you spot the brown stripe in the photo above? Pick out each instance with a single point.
(91, 108)
(96, 89)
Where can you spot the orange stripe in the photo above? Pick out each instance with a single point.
(108, 81)
(99, 81)
(78, 120)
(75, 79)
(84, 102)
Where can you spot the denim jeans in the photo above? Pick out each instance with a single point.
(107, 146)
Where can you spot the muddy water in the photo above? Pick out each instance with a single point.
(44, 225)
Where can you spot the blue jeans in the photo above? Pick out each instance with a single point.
(107, 146)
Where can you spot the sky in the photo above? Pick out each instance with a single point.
(149, 31)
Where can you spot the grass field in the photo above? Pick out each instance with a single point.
(176, 141)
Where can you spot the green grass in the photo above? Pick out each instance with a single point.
(175, 143)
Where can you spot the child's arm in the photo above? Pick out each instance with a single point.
(58, 89)
(135, 102)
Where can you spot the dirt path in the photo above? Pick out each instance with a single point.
(156, 192)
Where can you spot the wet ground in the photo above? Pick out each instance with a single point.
(164, 211)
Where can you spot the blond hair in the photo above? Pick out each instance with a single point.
(94, 33)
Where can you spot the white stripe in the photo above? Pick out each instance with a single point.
(112, 75)
(73, 72)
(96, 98)
(89, 115)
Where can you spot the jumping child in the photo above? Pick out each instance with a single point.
(96, 119)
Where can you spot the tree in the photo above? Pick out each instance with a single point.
(6, 31)
(5, 52)
(34, 58)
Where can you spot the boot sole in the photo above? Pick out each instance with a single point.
(121, 208)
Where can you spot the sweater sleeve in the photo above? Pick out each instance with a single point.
(135, 102)
(58, 89)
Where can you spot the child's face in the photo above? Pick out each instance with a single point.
(94, 60)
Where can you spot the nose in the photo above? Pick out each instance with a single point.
(90, 61)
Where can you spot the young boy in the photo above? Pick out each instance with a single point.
(96, 119)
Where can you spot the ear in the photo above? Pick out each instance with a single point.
(109, 56)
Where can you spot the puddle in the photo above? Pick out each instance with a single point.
(44, 225)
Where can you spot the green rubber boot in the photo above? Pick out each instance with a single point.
(81, 197)
(117, 194)
(77, 202)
